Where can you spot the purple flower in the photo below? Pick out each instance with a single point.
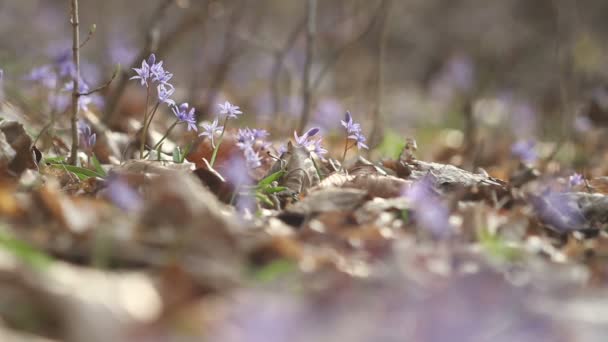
(259, 134)
(86, 136)
(525, 151)
(65, 64)
(561, 211)
(165, 91)
(228, 109)
(428, 209)
(252, 158)
(575, 179)
(351, 126)
(45, 75)
(353, 131)
(209, 129)
(151, 71)
(122, 195)
(245, 138)
(304, 140)
(184, 115)
(143, 73)
(236, 172)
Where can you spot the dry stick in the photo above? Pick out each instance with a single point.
(310, 50)
(561, 60)
(382, 41)
(229, 55)
(76, 84)
(333, 59)
(277, 68)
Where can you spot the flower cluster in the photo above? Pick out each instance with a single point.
(57, 77)
(247, 137)
(86, 136)
(575, 179)
(353, 131)
(310, 141)
(152, 71)
(185, 114)
(246, 141)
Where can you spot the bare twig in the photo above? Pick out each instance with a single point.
(103, 86)
(335, 57)
(76, 83)
(382, 41)
(310, 44)
(89, 35)
(279, 61)
(229, 55)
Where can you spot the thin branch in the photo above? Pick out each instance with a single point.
(76, 83)
(310, 50)
(279, 61)
(103, 86)
(382, 41)
(89, 35)
(335, 57)
(229, 55)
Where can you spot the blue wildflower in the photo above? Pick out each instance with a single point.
(230, 110)
(185, 114)
(165, 91)
(122, 195)
(86, 136)
(575, 179)
(353, 131)
(209, 129)
(525, 151)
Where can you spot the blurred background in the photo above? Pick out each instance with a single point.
(526, 68)
(487, 84)
(520, 69)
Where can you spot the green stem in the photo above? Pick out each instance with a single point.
(346, 148)
(151, 114)
(143, 137)
(164, 136)
(219, 142)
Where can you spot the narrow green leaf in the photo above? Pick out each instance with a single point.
(274, 270)
(264, 199)
(24, 251)
(274, 189)
(185, 153)
(273, 177)
(176, 155)
(98, 168)
(80, 172)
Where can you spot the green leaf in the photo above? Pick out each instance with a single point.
(273, 177)
(177, 155)
(24, 251)
(54, 160)
(98, 168)
(185, 153)
(80, 172)
(274, 270)
(274, 189)
(264, 199)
